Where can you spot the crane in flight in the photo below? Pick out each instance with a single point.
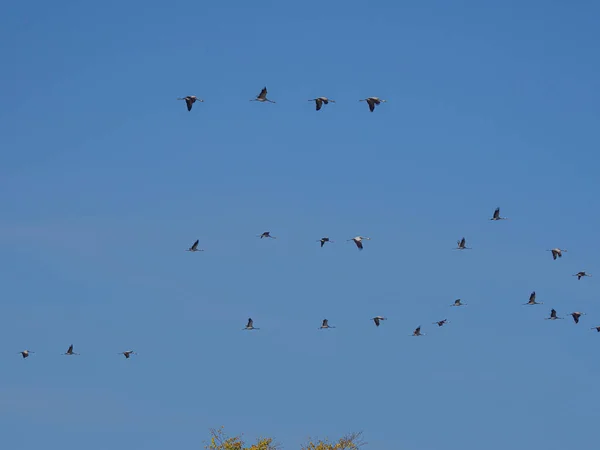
(582, 274)
(496, 215)
(556, 252)
(417, 331)
(324, 240)
(378, 319)
(325, 324)
(462, 245)
(194, 247)
(358, 241)
(190, 100)
(553, 315)
(250, 325)
(262, 97)
(372, 102)
(532, 300)
(320, 101)
(70, 351)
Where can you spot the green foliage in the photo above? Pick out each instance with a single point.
(220, 441)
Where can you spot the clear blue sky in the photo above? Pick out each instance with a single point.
(106, 179)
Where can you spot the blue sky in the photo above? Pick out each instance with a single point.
(106, 179)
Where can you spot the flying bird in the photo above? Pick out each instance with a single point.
(553, 315)
(194, 247)
(324, 240)
(417, 331)
(377, 320)
(358, 241)
(250, 325)
(576, 315)
(556, 252)
(462, 245)
(457, 302)
(596, 328)
(26, 353)
(441, 323)
(127, 353)
(496, 215)
(266, 234)
(319, 101)
(70, 351)
(372, 101)
(325, 324)
(532, 300)
(579, 275)
(262, 97)
(190, 100)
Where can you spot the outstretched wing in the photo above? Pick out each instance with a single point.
(376, 320)
(319, 103)
(371, 105)
(497, 213)
(359, 244)
(263, 93)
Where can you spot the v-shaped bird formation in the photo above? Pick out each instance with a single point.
(358, 241)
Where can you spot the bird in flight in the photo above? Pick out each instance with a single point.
(441, 323)
(462, 245)
(266, 234)
(190, 100)
(319, 101)
(596, 328)
(580, 275)
(358, 241)
(325, 324)
(372, 101)
(250, 325)
(576, 315)
(532, 300)
(417, 331)
(324, 240)
(496, 215)
(377, 320)
(553, 315)
(556, 252)
(262, 97)
(70, 351)
(127, 353)
(194, 247)
(26, 353)
(457, 302)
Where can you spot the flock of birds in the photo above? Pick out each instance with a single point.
(262, 97)
(461, 245)
(358, 241)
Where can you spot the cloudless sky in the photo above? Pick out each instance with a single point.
(105, 180)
